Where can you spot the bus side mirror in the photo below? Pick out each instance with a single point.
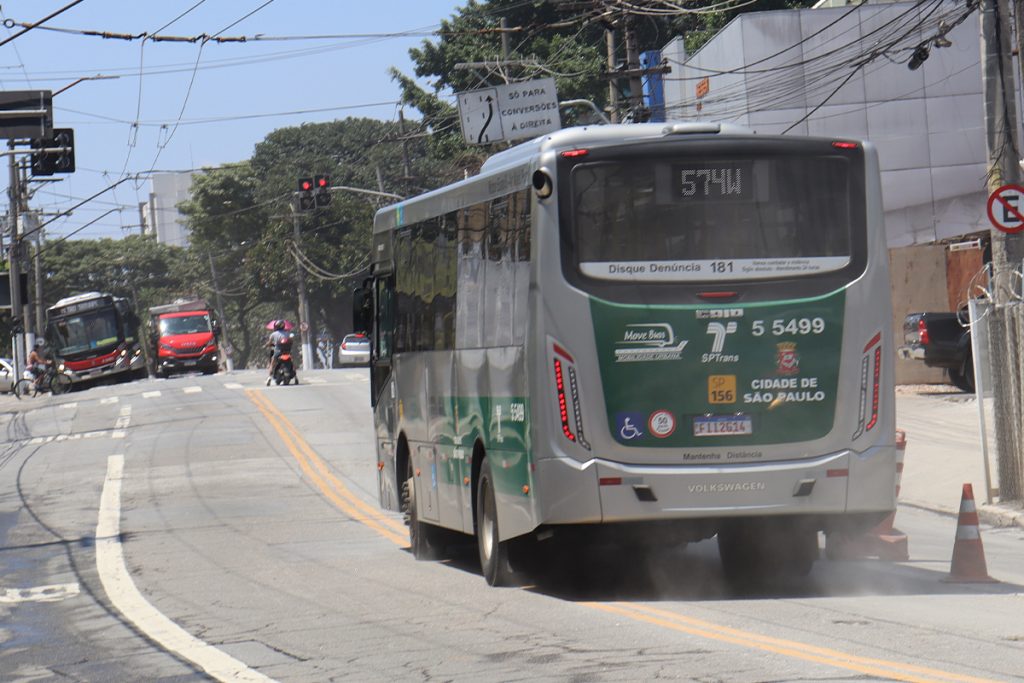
(362, 309)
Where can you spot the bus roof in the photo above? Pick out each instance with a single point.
(78, 298)
(512, 168)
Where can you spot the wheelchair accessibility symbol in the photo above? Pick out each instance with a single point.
(628, 426)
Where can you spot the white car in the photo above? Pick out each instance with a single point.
(354, 350)
(7, 378)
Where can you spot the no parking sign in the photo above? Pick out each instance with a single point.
(1006, 208)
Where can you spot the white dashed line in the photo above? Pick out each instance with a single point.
(192, 390)
(232, 385)
(69, 406)
(127, 599)
(54, 593)
(110, 399)
(151, 394)
(122, 422)
(94, 435)
(315, 380)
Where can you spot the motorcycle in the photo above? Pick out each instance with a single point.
(285, 370)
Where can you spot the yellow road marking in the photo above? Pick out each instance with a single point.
(335, 490)
(877, 667)
(317, 471)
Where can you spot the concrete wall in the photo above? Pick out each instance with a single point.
(918, 284)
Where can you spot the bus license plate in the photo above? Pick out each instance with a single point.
(722, 425)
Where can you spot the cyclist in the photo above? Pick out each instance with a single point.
(38, 362)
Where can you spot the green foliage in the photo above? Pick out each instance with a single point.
(567, 38)
(136, 267)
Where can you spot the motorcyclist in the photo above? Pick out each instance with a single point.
(280, 342)
(38, 361)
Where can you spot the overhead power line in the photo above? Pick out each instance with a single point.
(28, 27)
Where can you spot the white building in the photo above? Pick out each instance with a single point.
(160, 215)
(796, 71)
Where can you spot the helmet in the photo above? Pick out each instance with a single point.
(39, 342)
(278, 324)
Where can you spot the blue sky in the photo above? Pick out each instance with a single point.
(346, 75)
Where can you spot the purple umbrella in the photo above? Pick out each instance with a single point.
(287, 325)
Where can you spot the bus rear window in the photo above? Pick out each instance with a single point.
(699, 219)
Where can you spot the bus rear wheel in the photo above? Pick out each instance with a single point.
(424, 539)
(495, 562)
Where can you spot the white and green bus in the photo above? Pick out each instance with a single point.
(638, 334)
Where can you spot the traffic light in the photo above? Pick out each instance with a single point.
(323, 190)
(306, 199)
(48, 163)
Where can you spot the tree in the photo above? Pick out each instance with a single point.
(136, 267)
(565, 38)
(228, 221)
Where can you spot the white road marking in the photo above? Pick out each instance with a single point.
(192, 390)
(151, 394)
(93, 435)
(69, 406)
(232, 385)
(54, 593)
(110, 399)
(127, 599)
(315, 380)
(122, 422)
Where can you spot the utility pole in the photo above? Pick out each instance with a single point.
(406, 169)
(1007, 250)
(40, 313)
(229, 364)
(504, 39)
(300, 282)
(636, 85)
(17, 313)
(613, 90)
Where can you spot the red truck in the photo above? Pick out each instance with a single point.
(184, 338)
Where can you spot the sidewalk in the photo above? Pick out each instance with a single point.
(944, 452)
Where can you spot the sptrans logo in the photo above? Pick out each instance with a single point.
(649, 342)
(719, 332)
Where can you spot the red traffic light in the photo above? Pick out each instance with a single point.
(323, 182)
(305, 184)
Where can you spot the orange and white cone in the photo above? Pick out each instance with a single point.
(968, 563)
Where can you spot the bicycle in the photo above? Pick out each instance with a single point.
(55, 382)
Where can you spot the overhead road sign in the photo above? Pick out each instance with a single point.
(509, 112)
(1006, 209)
(26, 114)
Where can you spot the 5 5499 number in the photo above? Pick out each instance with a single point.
(801, 326)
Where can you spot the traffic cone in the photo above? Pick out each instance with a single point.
(968, 563)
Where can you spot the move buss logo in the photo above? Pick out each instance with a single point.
(649, 342)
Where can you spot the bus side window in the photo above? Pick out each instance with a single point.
(384, 320)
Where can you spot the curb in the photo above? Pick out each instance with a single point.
(992, 515)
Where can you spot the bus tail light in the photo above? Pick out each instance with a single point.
(870, 385)
(567, 390)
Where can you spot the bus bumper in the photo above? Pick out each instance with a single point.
(601, 491)
(132, 361)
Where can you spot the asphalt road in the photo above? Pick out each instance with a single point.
(210, 527)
